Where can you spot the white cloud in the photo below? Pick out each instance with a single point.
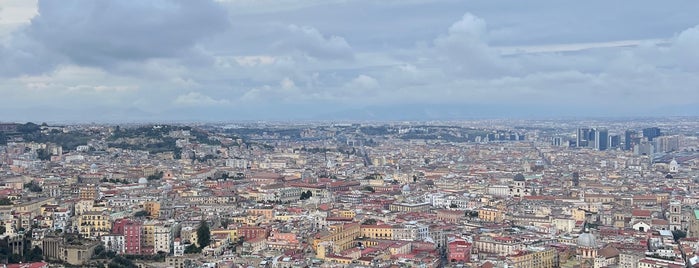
(198, 99)
(309, 41)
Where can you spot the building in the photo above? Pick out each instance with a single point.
(153, 209)
(583, 137)
(132, 237)
(540, 257)
(630, 139)
(601, 139)
(490, 214)
(651, 133)
(94, 224)
(459, 250)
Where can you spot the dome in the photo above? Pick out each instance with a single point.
(93, 166)
(142, 181)
(406, 188)
(587, 240)
(519, 177)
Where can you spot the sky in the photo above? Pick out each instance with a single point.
(240, 60)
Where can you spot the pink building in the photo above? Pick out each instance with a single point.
(459, 250)
(132, 237)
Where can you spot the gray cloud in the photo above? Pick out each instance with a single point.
(252, 59)
(105, 33)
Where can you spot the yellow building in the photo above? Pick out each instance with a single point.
(94, 224)
(340, 237)
(490, 214)
(578, 214)
(153, 208)
(148, 233)
(232, 234)
(347, 213)
(88, 192)
(266, 213)
(383, 231)
(34, 206)
(535, 257)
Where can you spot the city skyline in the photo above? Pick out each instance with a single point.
(82, 61)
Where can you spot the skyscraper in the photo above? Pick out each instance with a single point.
(601, 139)
(629, 137)
(583, 137)
(614, 141)
(651, 133)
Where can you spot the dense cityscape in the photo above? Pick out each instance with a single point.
(480, 193)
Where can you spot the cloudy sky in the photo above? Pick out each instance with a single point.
(150, 60)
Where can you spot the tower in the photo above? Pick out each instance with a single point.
(601, 139)
(583, 136)
(629, 137)
(651, 133)
(675, 215)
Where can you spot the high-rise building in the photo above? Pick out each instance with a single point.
(629, 137)
(614, 141)
(583, 137)
(651, 133)
(601, 139)
(666, 144)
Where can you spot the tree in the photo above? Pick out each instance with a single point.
(2, 229)
(32, 186)
(369, 222)
(35, 255)
(192, 249)
(576, 179)
(141, 213)
(5, 201)
(225, 222)
(369, 189)
(306, 195)
(203, 234)
(678, 234)
(43, 154)
(452, 205)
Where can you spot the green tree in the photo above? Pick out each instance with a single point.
(203, 234)
(32, 186)
(141, 213)
(192, 249)
(369, 189)
(43, 154)
(2, 229)
(369, 222)
(5, 201)
(678, 234)
(35, 255)
(452, 205)
(225, 222)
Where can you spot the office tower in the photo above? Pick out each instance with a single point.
(629, 139)
(614, 141)
(601, 139)
(651, 133)
(583, 136)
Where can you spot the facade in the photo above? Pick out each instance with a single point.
(132, 237)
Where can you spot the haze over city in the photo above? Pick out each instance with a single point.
(228, 60)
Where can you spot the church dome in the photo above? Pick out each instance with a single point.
(587, 240)
(519, 177)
